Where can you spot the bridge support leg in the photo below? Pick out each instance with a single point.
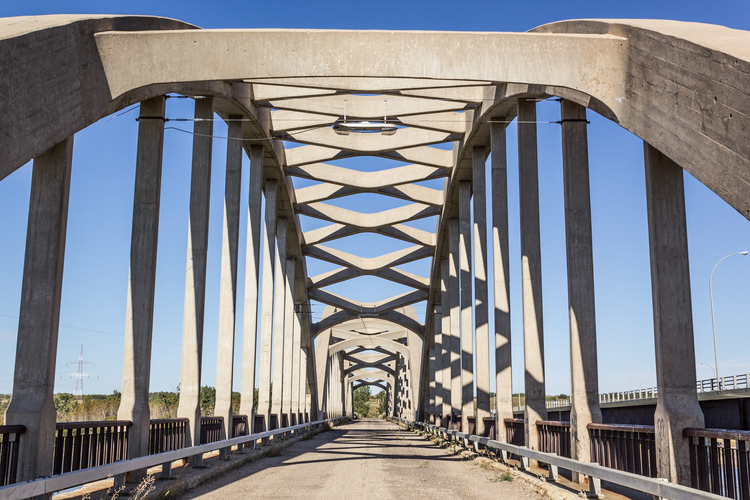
(136, 369)
(583, 358)
(252, 284)
(195, 276)
(481, 290)
(289, 327)
(279, 317)
(32, 404)
(445, 324)
(501, 276)
(677, 406)
(454, 299)
(228, 288)
(266, 321)
(531, 272)
(467, 332)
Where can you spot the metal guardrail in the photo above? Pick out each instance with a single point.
(9, 437)
(595, 472)
(44, 486)
(80, 445)
(720, 461)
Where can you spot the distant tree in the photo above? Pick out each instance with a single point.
(362, 401)
(65, 403)
(208, 400)
(382, 402)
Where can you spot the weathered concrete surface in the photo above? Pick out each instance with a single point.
(363, 459)
(677, 407)
(584, 373)
(36, 351)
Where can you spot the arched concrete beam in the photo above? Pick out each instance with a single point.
(376, 374)
(408, 322)
(369, 342)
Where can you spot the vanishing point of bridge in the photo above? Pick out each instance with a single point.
(438, 102)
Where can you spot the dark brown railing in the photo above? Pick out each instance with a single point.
(80, 445)
(167, 434)
(629, 448)
(239, 426)
(472, 424)
(720, 461)
(489, 427)
(514, 431)
(211, 429)
(9, 437)
(554, 437)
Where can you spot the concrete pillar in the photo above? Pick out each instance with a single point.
(278, 319)
(252, 283)
(33, 404)
(195, 273)
(584, 374)
(321, 368)
(414, 371)
(296, 368)
(455, 315)
(429, 404)
(437, 408)
(501, 277)
(677, 406)
(266, 320)
(445, 323)
(531, 271)
(286, 395)
(136, 367)
(467, 320)
(302, 382)
(481, 292)
(228, 289)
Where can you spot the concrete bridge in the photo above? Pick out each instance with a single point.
(680, 87)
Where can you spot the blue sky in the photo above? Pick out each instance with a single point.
(96, 267)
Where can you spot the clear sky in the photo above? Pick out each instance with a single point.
(96, 266)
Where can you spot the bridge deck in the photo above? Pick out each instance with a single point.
(364, 459)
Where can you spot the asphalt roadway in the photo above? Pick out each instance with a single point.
(364, 459)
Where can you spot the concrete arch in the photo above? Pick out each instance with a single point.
(367, 341)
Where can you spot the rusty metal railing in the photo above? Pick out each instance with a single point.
(720, 461)
(629, 448)
(514, 431)
(211, 429)
(167, 434)
(240, 426)
(80, 445)
(554, 437)
(9, 438)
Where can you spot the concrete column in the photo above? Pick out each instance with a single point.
(252, 283)
(437, 408)
(467, 320)
(455, 315)
(481, 292)
(429, 404)
(302, 382)
(228, 290)
(677, 406)
(195, 273)
(501, 276)
(584, 374)
(136, 367)
(286, 395)
(33, 404)
(278, 319)
(445, 323)
(296, 369)
(321, 369)
(531, 271)
(266, 319)
(414, 370)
